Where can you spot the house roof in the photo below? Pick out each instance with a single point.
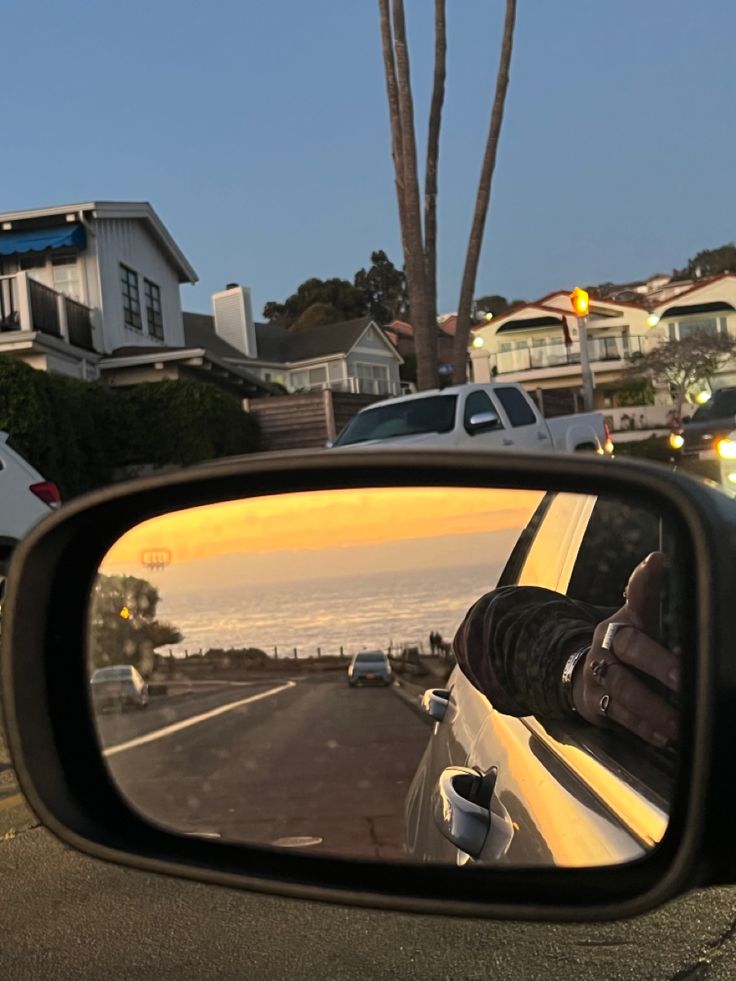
(445, 325)
(132, 356)
(131, 210)
(276, 344)
(321, 342)
(698, 286)
(199, 331)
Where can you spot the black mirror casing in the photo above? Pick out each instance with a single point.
(60, 769)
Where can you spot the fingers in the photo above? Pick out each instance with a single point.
(643, 590)
(632, 705)
(636, 649)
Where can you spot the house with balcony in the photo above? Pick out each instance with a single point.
(538, 345)
(92, 290)
(79, 281)
(353, 356)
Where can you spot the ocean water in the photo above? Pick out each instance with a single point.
(354, 612)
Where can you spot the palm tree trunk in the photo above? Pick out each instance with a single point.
(433, 151)
(483, 197)
(403, 144)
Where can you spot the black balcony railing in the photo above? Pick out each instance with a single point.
(78, 324)
(44, 308)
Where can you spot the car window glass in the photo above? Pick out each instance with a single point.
(549, 553)
(435, 414)
(516, 406)
(512, 571)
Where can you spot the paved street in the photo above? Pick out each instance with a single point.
(274, 760)
(65, 916)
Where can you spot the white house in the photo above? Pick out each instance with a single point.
(352, 356)
(527, 343)
(79, 281)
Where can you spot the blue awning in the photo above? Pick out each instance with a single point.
(41, 239)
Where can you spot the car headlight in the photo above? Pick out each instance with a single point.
(727, 449)
(677, 441)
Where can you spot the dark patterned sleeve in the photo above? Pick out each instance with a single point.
(513, 645)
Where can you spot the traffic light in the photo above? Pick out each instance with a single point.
(579, 300)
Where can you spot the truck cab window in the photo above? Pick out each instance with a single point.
(515, 406)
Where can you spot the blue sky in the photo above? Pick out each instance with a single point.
(259, 132)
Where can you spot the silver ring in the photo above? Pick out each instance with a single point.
(611, 631)
(604, 703)
(600, 668)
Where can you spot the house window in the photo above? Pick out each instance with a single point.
(706, 325)
(66, 277)
(373, 378)
(131, 298)
(154, 315)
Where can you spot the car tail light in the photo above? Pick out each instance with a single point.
(48, 492)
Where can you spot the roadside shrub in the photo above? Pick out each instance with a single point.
(79, 433)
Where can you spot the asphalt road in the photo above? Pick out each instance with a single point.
(274, 762)
(66, 916)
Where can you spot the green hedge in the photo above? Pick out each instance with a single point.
(80, 433)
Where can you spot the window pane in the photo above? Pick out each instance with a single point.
(516, 406)
(131, 298)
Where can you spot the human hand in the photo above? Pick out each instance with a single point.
(605, 689)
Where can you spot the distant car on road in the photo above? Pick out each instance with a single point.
(118, 686)
(25, 498)
(369, 668)
(713, 421)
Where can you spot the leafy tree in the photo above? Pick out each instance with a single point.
(680, 365)
(348, 300)
(124, 628)
(316, 315)
(709, 262)
(493, 303)
(384, 287)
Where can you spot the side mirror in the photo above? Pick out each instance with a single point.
(481, 422)
(329, 444)
(253, 768)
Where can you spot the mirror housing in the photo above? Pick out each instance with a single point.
(60, 769)
(482, 422)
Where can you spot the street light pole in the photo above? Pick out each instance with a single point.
(585, 370)
(579, 300)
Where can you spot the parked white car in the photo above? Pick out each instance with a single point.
(475, 416)
(25, 498)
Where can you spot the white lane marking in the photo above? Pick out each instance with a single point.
(193, 720)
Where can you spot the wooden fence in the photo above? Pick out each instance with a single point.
(305, 421)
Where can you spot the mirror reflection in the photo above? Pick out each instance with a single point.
(452, 675)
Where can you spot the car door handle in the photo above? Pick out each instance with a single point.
(462, 806)
(542, 436)
(434, 703)
(508, 442)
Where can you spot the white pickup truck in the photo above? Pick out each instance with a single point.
(476, 416)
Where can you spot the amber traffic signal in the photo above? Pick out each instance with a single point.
(579, 300)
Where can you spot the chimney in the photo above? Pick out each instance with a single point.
(233, 310)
